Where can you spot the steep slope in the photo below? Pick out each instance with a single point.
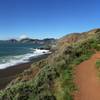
(53, 77)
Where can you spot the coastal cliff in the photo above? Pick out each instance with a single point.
(52, 78)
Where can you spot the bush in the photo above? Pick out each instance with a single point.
(98, 64)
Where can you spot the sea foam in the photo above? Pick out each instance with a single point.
(15, 60)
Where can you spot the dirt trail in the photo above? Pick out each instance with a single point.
(87, 80)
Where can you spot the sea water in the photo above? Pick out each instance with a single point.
(17, 53)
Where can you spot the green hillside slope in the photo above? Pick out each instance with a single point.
(52, 78)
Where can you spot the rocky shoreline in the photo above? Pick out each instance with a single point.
(8, 74)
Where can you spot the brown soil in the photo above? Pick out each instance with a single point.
(87, 80)
(8, 74)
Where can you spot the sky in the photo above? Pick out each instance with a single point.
(47, 18)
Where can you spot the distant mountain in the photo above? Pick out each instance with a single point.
(12, 41)
(46, 41)
(9, 41)
(26, 40)
(37, 41)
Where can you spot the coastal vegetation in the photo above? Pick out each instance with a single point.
(98, 67)
(53, 78)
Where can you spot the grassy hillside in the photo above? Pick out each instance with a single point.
(52, 78)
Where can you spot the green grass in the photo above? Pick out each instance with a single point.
(98, 67)
(98, 64)
(65, 84)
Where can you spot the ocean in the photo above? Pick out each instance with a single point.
(17, 53)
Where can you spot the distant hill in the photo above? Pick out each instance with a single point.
(74, 37)
(37, 41)
(46, 41)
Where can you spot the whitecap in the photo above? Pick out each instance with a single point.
(14, 60)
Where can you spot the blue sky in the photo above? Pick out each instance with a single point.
(47, 18)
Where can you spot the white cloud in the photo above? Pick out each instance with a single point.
(23, 36)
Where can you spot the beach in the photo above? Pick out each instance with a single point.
(10, 73)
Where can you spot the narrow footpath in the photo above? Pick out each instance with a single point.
(87, 80)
